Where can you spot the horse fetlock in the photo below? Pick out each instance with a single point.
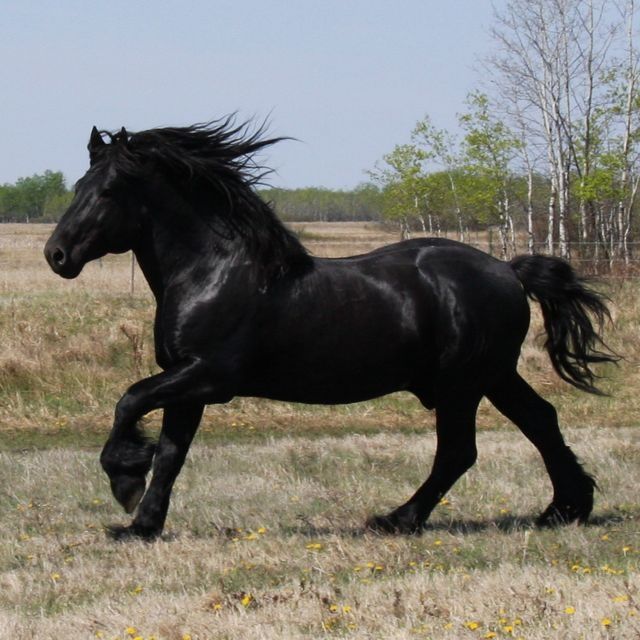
(561, 512)
(403, 520)
(128, 490)
(132, 532)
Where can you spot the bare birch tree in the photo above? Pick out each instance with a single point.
(551, 53)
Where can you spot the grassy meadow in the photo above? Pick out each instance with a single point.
(264, 537)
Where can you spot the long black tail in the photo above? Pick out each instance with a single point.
(567, 307)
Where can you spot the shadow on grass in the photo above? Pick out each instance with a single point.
(504, 524)
(307, 529)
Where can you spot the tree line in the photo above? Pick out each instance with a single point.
(45, 197)
(548, 147)
(42, 197)
(317, 204)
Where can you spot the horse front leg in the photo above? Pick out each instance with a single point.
(179, 425)
(127, 456)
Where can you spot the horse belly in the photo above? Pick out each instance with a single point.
(339, 373)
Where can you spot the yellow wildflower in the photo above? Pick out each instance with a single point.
(472, 625)
(605, 622)
(569, 610)
(246, 600)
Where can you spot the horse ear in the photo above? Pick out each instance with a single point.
(124, 136)
(96, 143)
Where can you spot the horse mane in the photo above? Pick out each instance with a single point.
(218, 155)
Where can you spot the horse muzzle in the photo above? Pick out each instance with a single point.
(60, 261)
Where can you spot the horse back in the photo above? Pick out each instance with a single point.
(407, 316)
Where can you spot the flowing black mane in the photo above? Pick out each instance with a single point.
(216, 156)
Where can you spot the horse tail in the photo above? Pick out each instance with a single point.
(568, 306)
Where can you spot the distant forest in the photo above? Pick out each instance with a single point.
(45, 197)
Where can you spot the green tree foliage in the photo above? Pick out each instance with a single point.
(42, 197)
(401, 179)
(488, 152)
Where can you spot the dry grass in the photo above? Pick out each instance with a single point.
(265, 541)
(264, 537)
(71, 348)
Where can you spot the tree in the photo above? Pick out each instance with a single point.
(488, 151)
(30, 198)
(403, 190)
(439, 148)
(551, 53)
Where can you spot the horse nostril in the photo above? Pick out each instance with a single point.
(59, 257)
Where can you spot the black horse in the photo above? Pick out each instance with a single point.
(244, 310)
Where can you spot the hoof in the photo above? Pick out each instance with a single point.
(128, 491)
(557, 515)
(121, 533)
(393, 524)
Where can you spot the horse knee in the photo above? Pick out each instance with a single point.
(126, 408)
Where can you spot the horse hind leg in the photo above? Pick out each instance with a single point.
(573, 488)
(455, 453)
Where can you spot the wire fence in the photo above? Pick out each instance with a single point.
(590, 258)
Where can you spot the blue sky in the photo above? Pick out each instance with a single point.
(347, 78)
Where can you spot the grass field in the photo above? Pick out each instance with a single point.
(264, 538)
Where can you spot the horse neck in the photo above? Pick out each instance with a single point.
(179, 238)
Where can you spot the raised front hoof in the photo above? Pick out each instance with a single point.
(128, 491)
(393, 524)
(120, 533)
(558, 515)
